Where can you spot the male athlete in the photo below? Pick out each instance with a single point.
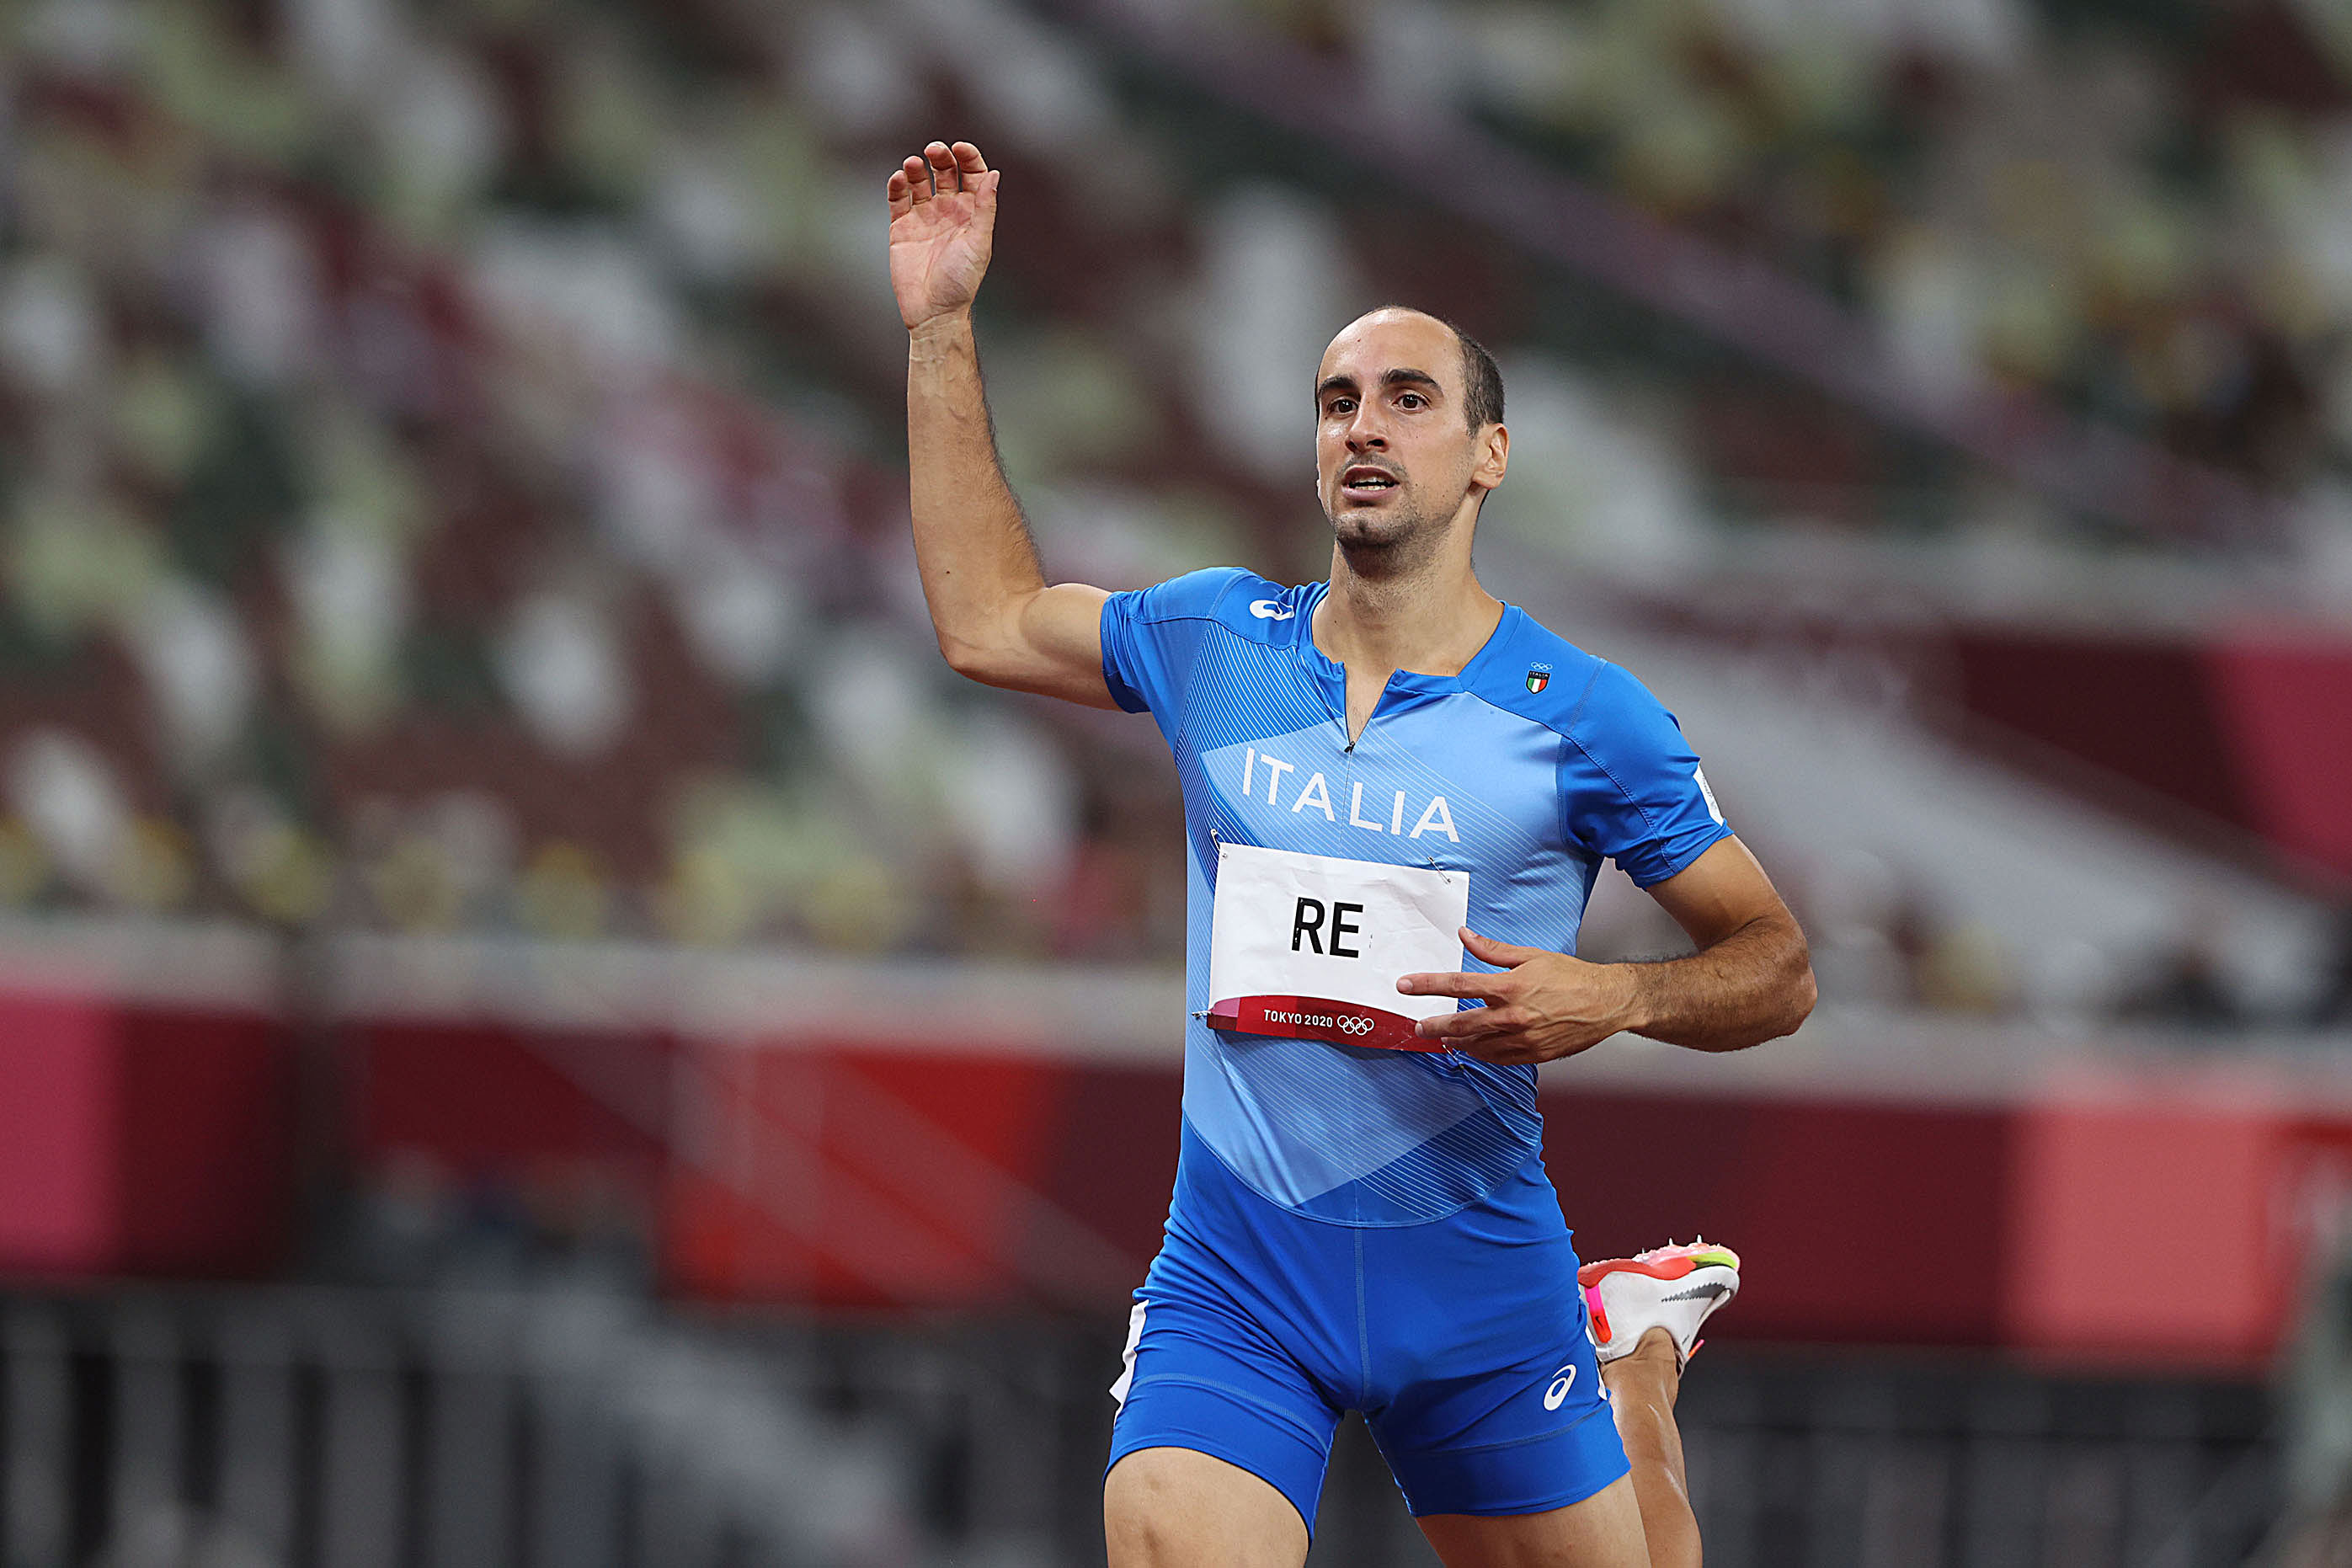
(1399, 790)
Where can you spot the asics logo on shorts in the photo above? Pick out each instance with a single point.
(1557, 1393)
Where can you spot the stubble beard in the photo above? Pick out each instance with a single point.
(1391, 543)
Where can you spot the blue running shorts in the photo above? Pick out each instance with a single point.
(1462, 1340)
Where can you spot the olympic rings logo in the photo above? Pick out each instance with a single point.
(1356, 1026)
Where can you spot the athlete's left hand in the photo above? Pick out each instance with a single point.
(1542, 1006)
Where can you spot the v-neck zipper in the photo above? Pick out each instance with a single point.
(1348, 741)
(1306, 647)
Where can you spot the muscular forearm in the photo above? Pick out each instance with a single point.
(1755, 984)
(971, 543)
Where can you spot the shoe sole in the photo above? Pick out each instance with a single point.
(1674, 1267)
(1680, 1266)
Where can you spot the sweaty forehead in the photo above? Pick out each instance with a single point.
(1370, 346)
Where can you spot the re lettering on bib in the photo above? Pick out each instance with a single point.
(1309, 947)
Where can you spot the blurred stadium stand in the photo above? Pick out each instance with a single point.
(480, 809)
(251, 1427)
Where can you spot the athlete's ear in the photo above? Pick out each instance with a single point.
(1494, 456)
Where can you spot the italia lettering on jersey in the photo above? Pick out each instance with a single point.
(1515, 789)
(1314, 793)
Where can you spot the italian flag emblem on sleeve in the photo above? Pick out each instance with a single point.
(1538, 677)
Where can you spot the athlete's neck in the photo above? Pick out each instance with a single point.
(1432, 622)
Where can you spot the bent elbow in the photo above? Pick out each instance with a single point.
(1799, 991)
(1794, 996)
(969, 659)
(1802, 994)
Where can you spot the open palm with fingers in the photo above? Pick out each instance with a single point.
(942, 226)
(1540, 1005)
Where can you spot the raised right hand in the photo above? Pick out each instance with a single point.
(942, 227)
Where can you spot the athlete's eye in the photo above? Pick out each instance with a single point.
(1339, 406)
(1412, 400)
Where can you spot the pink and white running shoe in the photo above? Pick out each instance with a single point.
(1669, 1288)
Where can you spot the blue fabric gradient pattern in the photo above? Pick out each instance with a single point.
(1525, 771)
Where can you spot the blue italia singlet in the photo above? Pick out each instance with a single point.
(1372, 1229)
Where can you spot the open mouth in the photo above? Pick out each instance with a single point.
(1362, 481)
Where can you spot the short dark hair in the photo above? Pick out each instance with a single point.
(1482, 388)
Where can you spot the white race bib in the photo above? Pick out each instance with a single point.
(1310, 947)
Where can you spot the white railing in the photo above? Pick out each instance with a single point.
(459, 1429)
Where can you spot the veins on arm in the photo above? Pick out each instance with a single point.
(1752, 986)
(1752, 979)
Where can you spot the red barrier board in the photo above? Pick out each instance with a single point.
(142, 1140)
(2127, 1215)
(2116, 1224)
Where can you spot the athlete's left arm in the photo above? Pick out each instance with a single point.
(1750, 981)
